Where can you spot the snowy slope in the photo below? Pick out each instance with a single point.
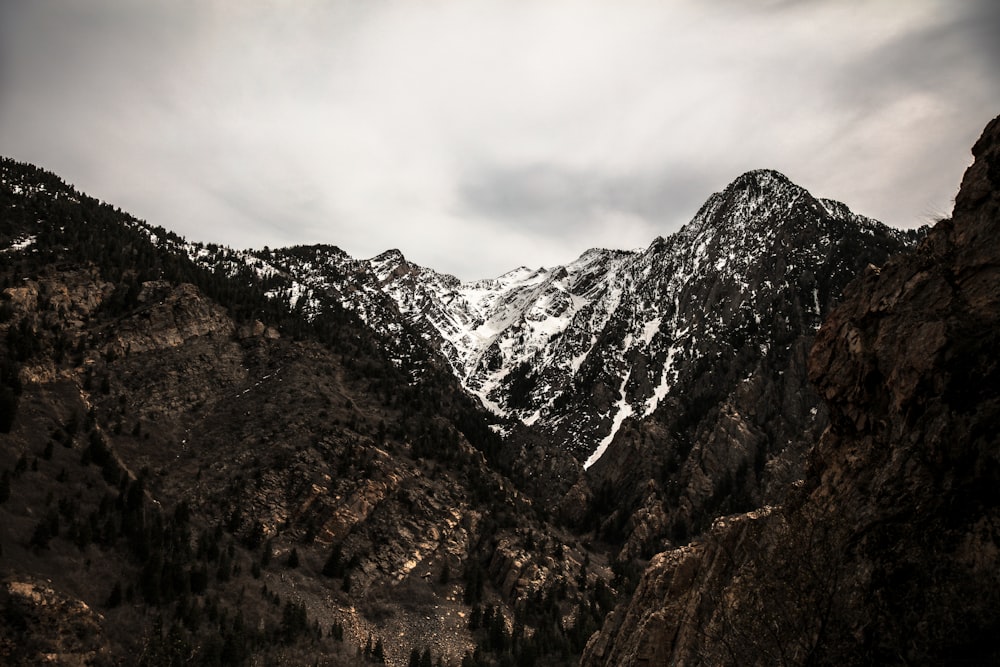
(578, 351)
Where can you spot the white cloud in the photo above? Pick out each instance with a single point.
(363, 124)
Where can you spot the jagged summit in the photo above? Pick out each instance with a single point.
(393, 255)
(519, 271)
(759, 192)
(759, 184)
(762, 179)
(390, 262)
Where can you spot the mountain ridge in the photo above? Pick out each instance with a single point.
(576, 361)
(192, 472)
(571, 355)
(303, 396)
(488, 329)
(880, 554)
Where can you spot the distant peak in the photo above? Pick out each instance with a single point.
(318, 248)
(515, 273)
(763, 179)
(762, 189)
(594, 252)
(758, 195)
(390, 256)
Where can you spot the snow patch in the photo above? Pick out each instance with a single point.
(576, 362)
(650, 330)
(663, 389)
(20, 244)
(622, 411)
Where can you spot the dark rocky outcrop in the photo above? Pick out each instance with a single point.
(181, 484)
(65, 631)
(889, 552)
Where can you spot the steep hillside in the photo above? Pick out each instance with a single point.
(888, 553)
(194, 471)
(221, 456)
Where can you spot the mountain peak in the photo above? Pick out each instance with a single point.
(758, 195)
(392, 255)
(762, 180)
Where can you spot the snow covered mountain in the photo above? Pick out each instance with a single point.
(576, 351)
(676, 374)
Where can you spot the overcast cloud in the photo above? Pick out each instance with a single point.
(479, 136)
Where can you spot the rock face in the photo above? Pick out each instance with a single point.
(168, 317)
(63, 631)
(223, 494)
(889, 552)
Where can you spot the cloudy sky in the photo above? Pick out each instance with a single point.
(479, 136)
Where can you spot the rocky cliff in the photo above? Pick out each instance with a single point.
(888, 553)
(182, 483)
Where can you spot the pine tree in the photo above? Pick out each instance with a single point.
(115, 597)
(4, 486)
(334, 566)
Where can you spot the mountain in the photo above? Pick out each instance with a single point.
(575, 350)
(885, 554)
(752, 277)
(218, 455)
(193, 471)
(708, 407)
(688, 355)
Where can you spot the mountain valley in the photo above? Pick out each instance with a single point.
(292, 456)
